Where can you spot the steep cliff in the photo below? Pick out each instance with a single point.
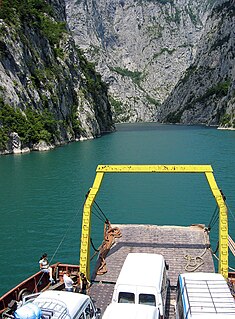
(141, 47)
(205, 94)
(49, 93)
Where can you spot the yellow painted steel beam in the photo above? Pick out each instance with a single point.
(86, 226)
(102, 169)
(154, 168)
(223, 225)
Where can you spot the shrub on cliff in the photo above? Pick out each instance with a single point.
(36, 13)
(31, 126)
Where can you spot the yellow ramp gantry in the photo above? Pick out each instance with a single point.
(102, 169)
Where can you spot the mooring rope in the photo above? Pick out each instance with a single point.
(61, 241)
(216, 257)
(66, 232)
(193, 263)
(231, 245)
(98, 216)
(214, 219)
(101, 211)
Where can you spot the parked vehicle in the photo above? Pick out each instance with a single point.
(142, 280)
(53, 304)
(204, 296)
(130, 311)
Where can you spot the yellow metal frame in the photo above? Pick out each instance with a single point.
(206, 169)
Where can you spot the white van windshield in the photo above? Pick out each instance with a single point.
(147, 299)
(126, 297)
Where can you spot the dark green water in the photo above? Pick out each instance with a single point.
(42, 194)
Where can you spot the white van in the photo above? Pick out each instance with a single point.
(130, 311)
(142, 280)
(54, 304)
(204, 296)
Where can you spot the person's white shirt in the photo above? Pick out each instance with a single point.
(68, 282)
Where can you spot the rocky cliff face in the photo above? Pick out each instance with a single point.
(141, 47)
(49, 93)
(205, 94)
(162, 60)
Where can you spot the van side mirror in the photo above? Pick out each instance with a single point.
(167, 266)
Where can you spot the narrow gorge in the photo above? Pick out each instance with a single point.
(71, 69)
(158, 56)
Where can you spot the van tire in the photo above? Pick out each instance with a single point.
(23, 293)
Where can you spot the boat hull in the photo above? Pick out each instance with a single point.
(36, 283)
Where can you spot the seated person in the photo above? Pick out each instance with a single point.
(45, 267)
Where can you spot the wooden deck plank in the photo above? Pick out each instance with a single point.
(173, 242)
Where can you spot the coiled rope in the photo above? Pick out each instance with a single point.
(194, 262)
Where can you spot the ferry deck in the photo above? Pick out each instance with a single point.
(184, 249)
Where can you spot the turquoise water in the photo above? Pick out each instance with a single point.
(42, 194)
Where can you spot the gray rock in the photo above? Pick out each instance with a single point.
(141, 48)
(50, 78)
(205, 95)
(42, 146)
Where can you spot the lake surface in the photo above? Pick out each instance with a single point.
(42, 194)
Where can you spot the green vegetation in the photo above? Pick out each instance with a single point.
(3, 139)
(45, 77)
(226, 119)
(135, 76)
(186, 45)
(3, 49)
(94, 50)
(117, 105)
(24, 10)
(155, 30)
(151, 100)
(76, 124)
(30, 125)
(174, 117)
(94, 85)
(221, 7)
(52, 30)
(220, 42)
(169, 51)
(164, 1)
(220, 90)
(192, 69)
(173, 16)
(93, 88)
(35, 13)
(192, 16)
